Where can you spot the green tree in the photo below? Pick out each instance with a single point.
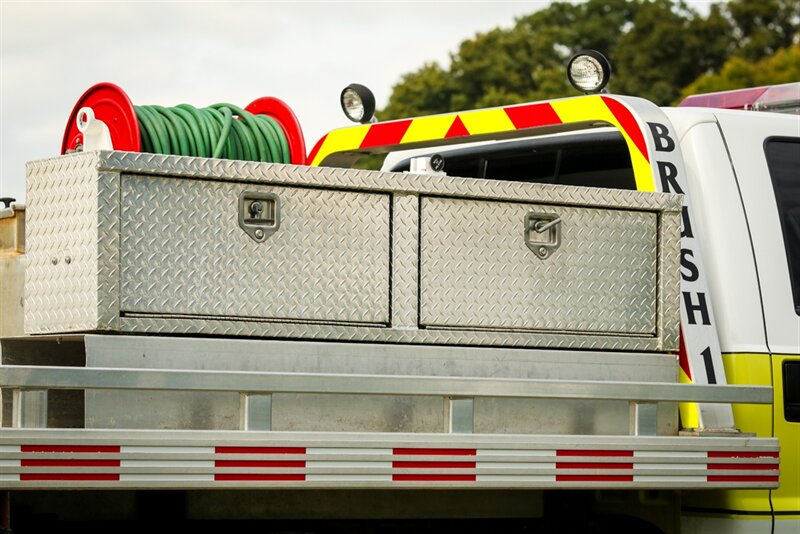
(656, 47)
(423, 92)
(781, 67)
(506, 66)
(761, 27)
(667, 47)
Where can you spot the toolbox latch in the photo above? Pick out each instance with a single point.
(259, 214)
(543, 233)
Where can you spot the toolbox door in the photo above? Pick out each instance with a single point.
(537, 267)
(201, 249)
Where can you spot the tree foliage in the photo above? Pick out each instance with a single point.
(657, 48)
(737, 72)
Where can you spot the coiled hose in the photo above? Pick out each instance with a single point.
(212, 132)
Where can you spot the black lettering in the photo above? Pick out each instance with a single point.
(686, 226)
(668, 173)
(691, 307)
(710, 374)
(688, 264)
(663, 141)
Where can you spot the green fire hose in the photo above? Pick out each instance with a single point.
(212, 132)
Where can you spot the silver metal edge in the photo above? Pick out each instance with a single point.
(165, 326)
(405, 262)
(669, 283)
(267, 382)
(142, 163)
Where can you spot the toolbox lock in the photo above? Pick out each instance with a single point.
(542, 233)
(259, 214)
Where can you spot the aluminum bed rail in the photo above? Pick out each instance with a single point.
(198, 459)
(52, 377)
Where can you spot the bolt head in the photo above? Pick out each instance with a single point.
(259, 233)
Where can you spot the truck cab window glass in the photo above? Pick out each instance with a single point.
(595, 159)
(791, 391)
(783, 159)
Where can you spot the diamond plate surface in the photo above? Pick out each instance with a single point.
(559, 340)
(183, 252)
(108, 265)
(669, 280)
(134, 162)
(405, 266)
(61, 274)
(476, 270)
(75, 206)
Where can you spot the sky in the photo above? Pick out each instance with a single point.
(204, 52)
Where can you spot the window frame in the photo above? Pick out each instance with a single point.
(788, 241)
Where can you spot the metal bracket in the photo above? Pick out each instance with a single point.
(459, 415)
(644, 418)
(255, 411)
(542, 233)
(259, 214)
(29, 408)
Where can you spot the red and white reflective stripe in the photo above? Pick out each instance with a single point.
(431, 465)
(594, 466)
(106, 464)
(259, 463)
(70, 462)
(761, 472)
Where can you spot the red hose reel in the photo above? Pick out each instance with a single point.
(113, 107)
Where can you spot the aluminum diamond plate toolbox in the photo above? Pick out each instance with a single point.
(166, 244)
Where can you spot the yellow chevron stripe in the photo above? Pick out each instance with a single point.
(591, 109)
(426, 128)
(570, 110)
(486, 121)
(341, 140)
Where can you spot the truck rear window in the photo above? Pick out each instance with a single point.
(594, 159)
(783, 160)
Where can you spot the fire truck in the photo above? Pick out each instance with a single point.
(575, 315)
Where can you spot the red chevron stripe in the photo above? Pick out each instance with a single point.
(628, 123)
(457, 129)
(313, 153)
(532, 115)
(386, 133)
(683, 356)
